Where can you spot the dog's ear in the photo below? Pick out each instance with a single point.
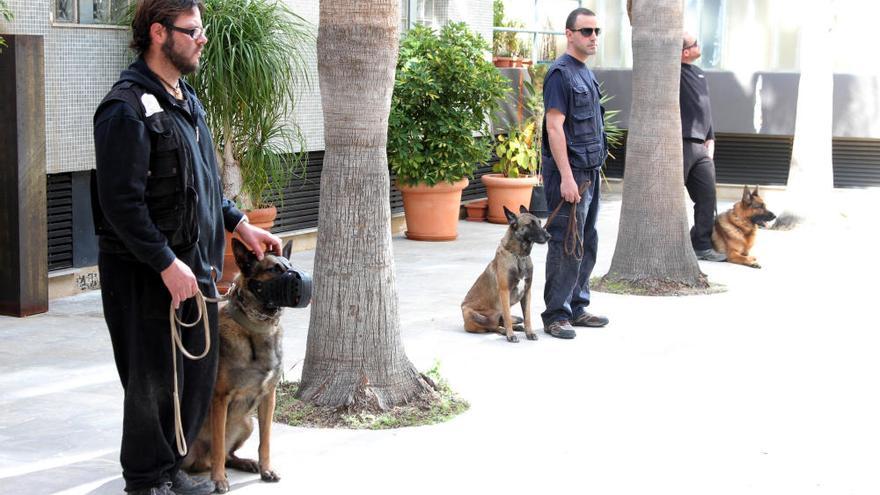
(755, 192)
(523, 209)
(287, 249)
(511, 216)
(244, 258)
(747, 195)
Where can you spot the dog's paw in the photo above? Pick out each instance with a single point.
(532, 336)
(754, 264)
(221, 486)
(246, 465)
(270, 476)
(512, 339)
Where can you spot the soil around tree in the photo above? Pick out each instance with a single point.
(438, 405)
(654, 287)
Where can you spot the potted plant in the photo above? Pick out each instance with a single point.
(251, 71)
(511, 186)
(444, 91)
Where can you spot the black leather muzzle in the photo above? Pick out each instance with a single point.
(291, 289)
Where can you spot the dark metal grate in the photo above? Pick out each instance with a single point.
(299, 208)
(765, 160)
(59, 196)
(856, 162)
(739, 159)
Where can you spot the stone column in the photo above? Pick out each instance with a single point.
(24, 284)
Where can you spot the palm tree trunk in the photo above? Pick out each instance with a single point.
(811, 175)
(355, 355)
(653, 241)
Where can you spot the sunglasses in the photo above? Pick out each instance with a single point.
(587, 32)
(696, 43)
(194, 33)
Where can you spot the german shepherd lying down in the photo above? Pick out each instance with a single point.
(506, 281)
(735, 229)
(248, 372)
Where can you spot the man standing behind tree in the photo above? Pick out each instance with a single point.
(160, 221)
(574, 149)
(699, 149)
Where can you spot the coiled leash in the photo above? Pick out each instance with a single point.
(572, 242)
(177, 343)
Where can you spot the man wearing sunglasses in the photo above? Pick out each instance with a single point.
(699, 149)
(573, 151)
(160, 216)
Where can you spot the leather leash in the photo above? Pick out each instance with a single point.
(572, 242)
(177, 343)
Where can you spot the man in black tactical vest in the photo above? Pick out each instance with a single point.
(160, 216)
(574, 149)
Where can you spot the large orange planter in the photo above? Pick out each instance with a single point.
(505, 191)
(432, 211)
(261, 217)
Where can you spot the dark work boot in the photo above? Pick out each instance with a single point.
(184, 484)
(588, 320)
(561, 330)
(710, 255)
(163, 489)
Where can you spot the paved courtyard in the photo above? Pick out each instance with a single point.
(768, 388)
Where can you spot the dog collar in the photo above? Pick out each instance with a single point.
(256, 326)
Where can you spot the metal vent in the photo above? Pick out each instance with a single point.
(765, 160)
(752, 159)
(739, 159)
(856, 162)
(59, 196)
(299, 208)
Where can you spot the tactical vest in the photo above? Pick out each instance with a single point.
(170, 196)
(583, 126)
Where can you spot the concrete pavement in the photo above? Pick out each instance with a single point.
(768, 388)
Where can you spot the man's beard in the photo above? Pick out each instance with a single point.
(177, 60)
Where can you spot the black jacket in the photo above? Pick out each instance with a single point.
(157, 181)
(696, 112)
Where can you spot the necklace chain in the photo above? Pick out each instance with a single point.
(175, 89)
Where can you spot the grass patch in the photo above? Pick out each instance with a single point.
(433, 407)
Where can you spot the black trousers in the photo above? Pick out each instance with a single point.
(699, 179)
(136, 305)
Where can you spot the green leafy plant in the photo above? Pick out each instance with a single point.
(613, 132)
(444, 91)
(517, 153)
(251, 72)
(6, 12)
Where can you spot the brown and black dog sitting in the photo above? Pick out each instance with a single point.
(506, 281)
(247, 374)
(735, 229)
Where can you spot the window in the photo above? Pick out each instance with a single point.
(432, 13)
(91, 11)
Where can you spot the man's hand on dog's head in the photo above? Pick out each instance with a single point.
(258, 240)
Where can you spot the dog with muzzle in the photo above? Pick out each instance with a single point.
(250, 364)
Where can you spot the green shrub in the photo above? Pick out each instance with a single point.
(444, 91)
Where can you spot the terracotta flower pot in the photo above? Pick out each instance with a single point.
(502, 61)
(506, 191)
(476, 210)
(432, 211)
(261, 217)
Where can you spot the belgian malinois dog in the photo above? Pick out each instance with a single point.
(734, 231)
(506, 281)
(247, 374)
